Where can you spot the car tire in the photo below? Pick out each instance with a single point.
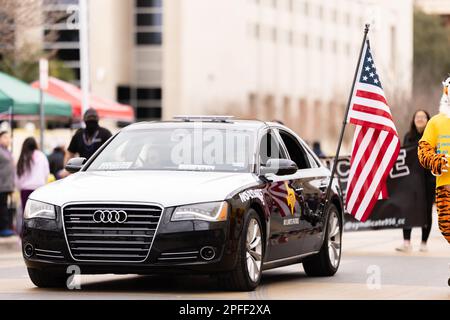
(326, 262)
(243, 277)
(48, 279)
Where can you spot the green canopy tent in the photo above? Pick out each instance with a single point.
(19, 100)
(23, 100)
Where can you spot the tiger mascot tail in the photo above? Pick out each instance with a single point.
(433, 152)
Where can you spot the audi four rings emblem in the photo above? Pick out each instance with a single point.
(110, 216)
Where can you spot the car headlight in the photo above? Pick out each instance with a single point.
(210, 211)
(37, 209)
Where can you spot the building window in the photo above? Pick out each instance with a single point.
(61, 34)
(303, 116)
(334, 46)
(274, 35)
(306, 9)
(320, 12)
(291, 37)
(334, 16)
(348, 19)
(305, 40)
(147, 101)
(291, 5)
(287, 117)
(318, 115)
(148, 38)
(149, 94)
(148, 113)
(347, 49)
(320, 44)
(149, 19)
(393, 47)
(269, 104)
(148, 3)
(257, 31)
(253, 106)
(124, 94)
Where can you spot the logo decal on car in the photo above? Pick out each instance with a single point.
(290, 198)
(252, 194)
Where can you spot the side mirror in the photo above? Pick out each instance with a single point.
(279, 167)
(75, 164)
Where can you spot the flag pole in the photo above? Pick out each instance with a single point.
(344, 122)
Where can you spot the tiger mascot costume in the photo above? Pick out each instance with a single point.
(434, 155)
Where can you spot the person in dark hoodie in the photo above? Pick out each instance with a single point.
(89, 139)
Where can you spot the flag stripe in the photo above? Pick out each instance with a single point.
(363, 172)
(363, 159)
(369, 110)
(372, 118)
(371, 103)
(362, 137)
(370, 88)
(373, 125)
(393, 151)
(371, 95)
(367, 180)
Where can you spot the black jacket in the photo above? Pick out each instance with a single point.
(412, 140)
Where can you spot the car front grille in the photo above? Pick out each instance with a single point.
(103, 241)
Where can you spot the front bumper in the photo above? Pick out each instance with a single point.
(176, 248)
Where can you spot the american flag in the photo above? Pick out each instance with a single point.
(375, 145)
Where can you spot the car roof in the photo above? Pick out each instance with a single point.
(173, 124)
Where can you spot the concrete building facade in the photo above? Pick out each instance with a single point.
(291, 60)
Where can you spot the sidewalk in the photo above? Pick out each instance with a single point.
(9, 244)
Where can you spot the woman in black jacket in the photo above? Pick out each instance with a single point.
(418, 124)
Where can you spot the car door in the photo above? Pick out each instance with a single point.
(284, 205)
(311, 182)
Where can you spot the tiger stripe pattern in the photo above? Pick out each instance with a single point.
(429, 159)
(443, 207)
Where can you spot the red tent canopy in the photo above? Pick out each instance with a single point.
(72, 94)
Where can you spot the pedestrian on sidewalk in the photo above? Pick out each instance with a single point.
(6, 183)
(412, 137)
(56, 161)
(32, 170)
(88, 140)
(317, 149)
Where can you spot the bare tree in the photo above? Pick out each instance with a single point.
(24, 28)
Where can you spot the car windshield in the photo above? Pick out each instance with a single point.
(189, 149)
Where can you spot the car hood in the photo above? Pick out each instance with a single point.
(167, 188)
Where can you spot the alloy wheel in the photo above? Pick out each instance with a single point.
(254, 250)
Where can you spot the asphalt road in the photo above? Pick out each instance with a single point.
(370, 269)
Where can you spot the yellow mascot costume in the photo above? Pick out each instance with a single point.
(434, 155)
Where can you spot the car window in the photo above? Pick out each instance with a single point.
(295, 150)
(270, 148)
(183, 149)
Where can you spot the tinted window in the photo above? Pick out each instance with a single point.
(295, 150)
(183, 149)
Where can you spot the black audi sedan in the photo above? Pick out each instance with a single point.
(198, 195)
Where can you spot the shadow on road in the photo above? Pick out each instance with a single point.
(180, 284)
